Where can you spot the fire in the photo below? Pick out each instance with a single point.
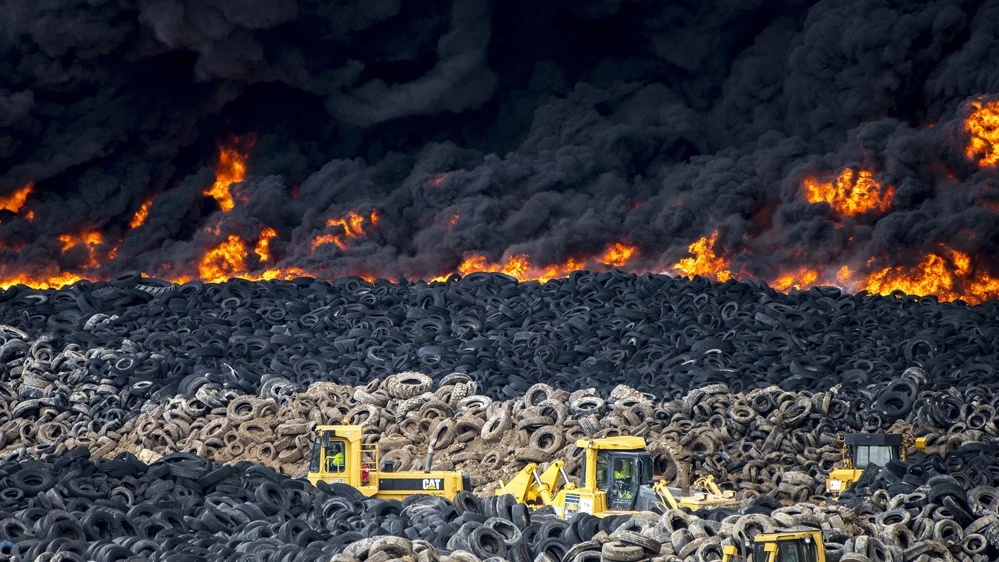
(224, 261)
(56, 281)
(263, 244)
(618, 254)
(704, 261)
(851, 194)
(438, 179)
(141, 215)
(802, 278)
(949, 277)
(30, 216)
(982, 124)
(520, 266)
(89, 238)
(351, 224)
(452, 221)
(16, 200)
(231, 169)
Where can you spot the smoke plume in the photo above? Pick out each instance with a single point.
(800, 143)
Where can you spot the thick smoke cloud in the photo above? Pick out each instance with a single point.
(473, 127)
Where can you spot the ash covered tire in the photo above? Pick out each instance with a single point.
(408, 384)
(617, 551)
(548, 439)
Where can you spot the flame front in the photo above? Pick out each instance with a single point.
(704, 261)
(802, 278)
(16, 200)
(141, 215)
(949, 277)
(982, 126)
(851, 194)
(520, 266)
(53, 281)
(352, 226)
(231, 169)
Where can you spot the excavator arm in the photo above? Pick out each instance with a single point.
(665, 496)
(531, 488)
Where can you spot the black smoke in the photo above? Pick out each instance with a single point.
(550, 129)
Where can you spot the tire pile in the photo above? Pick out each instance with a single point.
(753, 385)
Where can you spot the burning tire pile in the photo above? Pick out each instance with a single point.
(147, 420)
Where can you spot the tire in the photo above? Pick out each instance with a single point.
(650, 545)
(617, 551)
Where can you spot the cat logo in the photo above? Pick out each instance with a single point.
(432, 483)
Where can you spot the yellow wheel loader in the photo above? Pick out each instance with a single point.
(339, 457)
(791, 546)
(863, 449)
(617, 478)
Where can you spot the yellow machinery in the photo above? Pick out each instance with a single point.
(863, 449)
(792, 546)
(616, 478)
(338, 456)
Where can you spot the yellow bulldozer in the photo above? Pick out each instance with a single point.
(617, 478)
(790, 546)
(339, 457)
(861, 450)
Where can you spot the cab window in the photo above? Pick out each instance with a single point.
(602, 462)
(317, 449)
(789, 552)
(335, 457)
(624, 477)
(876, 455)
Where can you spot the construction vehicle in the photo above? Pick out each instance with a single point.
(863, 449)
(804, 545)
(616, 479)
(339, 457)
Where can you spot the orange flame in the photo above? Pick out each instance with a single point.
(263, 244)
(802, 278)
(850, 194)
(439, 179)
(55, 281)
(231, 169)
(89, 238)
(224, 261)
(16, 200)
(704, 261)
(520, 266)
(982, 124)
(936, 275)
(141, 215)
(30, 216)
(352, 228)
(618, 254)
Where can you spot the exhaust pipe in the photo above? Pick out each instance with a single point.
(429, 461)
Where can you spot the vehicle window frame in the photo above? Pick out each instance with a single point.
(603, 461)
(332, 449)
(315, 460)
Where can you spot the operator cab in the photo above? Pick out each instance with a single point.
(621, 474)
(803, 550)
(873, 448)
(804, 545)
(329, 454)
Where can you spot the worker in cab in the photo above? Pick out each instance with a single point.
(623, 476)
(337, 459)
